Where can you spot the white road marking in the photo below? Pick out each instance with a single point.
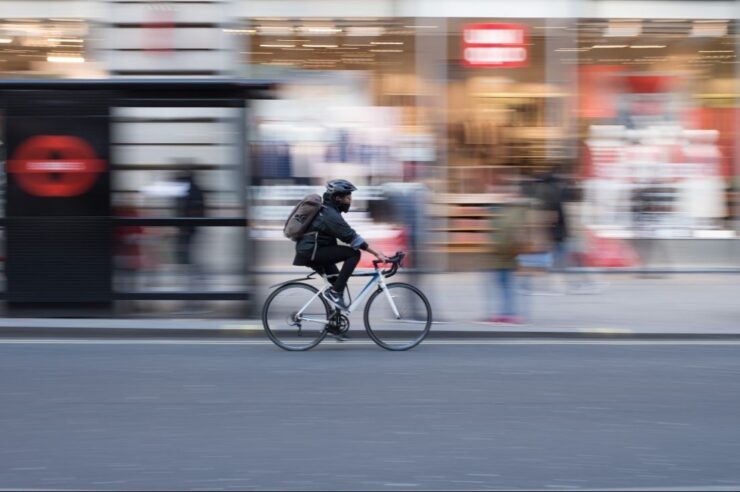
(80, 341)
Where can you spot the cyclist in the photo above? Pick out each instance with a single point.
(318, 248)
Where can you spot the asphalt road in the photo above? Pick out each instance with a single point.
(491, 415)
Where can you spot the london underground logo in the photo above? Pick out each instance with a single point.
(55, 165)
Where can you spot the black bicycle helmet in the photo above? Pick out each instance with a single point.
(339, 187)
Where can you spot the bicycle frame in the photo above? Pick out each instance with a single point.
(377, 279)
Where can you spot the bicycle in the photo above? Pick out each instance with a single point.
(397, 315)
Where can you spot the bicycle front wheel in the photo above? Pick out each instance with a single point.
(399, 318)
(295, 318)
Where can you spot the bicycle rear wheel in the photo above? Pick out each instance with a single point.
(295, 318)
(405, 326)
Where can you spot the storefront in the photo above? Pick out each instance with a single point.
(640, 113)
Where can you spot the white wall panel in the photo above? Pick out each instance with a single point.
(137, 38)
(176, 12)
(174, 133)
(661, 9)
(316, 8)
(156, 61)
(169, 113)
(494, 9)
(168, 154)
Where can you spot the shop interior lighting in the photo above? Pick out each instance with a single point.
(623, 29)
(386, 42)
(6, 40)
(647, 46)
(275, 30)
(357, 45)
(572, 49)
(277, 46)
(711, 29)
(420, 27)
(387, 51)
(319, 29)
(65, 59)
(240, 31)
(607, 46)
(67, 40)
(319, 45)
(364, 31)
(716, 51)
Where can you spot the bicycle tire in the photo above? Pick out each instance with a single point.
(385, 339)
(279, 337)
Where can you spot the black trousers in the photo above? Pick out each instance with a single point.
(326, 259)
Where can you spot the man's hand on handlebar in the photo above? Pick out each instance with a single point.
(378, 254)
(381, 257)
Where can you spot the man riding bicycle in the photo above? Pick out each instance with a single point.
(318, 248)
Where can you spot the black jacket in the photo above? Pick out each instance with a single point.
(324, 231)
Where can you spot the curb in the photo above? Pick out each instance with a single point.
(257, 332)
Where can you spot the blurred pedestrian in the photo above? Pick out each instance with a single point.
(190, 203)
(552, 192)
(508, 240)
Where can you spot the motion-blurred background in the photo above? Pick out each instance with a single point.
(620, 117)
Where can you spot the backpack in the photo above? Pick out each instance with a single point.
(301, 217)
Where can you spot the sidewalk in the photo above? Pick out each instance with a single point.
(679, 306)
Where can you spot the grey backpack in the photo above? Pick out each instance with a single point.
(301, 217)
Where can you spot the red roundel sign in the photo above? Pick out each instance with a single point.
(55, 166)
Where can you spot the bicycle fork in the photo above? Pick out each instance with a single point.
(388, 295)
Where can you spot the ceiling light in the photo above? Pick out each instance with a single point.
(240, 31)
(420, 27)
(607, 46)
(65, 59)
(647, 46)
(6, 40)
(277, 46)
(572, 49)
(387, 51)
(386, 42)
(716, 51)
(319, 45)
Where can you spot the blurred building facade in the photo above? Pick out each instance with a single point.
(636, 103)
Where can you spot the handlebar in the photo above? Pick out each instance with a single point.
(395, 262)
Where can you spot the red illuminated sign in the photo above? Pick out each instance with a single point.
(495, 45)
(55, 166)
